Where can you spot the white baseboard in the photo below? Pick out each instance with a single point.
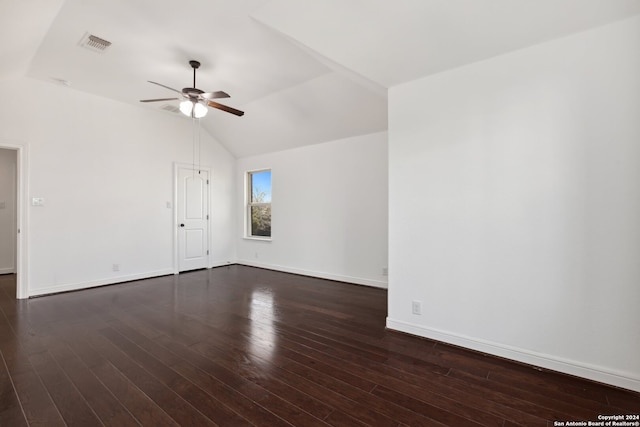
(112, 280)
(101, 282)
(596, 373)
(7, 270)
(336, 277)
(215, 264)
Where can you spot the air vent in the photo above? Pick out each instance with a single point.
(170, 108)
(94, 43)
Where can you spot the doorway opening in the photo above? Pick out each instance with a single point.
(13, 215)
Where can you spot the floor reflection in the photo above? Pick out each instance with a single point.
(263, 337)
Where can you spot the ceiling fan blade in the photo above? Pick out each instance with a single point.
(215, 95)
(158, 99)
(225, 108)
(166, 87)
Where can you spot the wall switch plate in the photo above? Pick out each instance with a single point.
(3, 205)
(37, 201)
(416, 307)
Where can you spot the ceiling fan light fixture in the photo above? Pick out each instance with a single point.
(199, 110)
(186, 107)
(193, 109)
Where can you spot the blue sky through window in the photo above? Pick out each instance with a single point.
(261, 182)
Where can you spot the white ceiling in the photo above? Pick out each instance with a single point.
(305, 71)
(391, 42)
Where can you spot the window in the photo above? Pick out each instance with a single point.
(259, 204)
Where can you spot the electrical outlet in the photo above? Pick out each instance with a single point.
(116, 267)
(385, 271)
(416, 307)
(256, 255)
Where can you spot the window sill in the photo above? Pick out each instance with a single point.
(259, 239)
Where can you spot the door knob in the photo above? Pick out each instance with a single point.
(181, 225)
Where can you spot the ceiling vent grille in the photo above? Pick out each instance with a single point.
(94, 43)
(170, 108)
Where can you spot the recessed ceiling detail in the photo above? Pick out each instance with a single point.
(308, 71)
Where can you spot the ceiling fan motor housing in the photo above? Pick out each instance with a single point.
(192, 91)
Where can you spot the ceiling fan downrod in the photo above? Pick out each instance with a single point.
(195, 65)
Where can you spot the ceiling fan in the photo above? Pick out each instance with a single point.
(195, 101)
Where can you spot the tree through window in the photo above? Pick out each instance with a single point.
(259, 203)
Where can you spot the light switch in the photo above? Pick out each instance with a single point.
(37, 201)
(3, 205)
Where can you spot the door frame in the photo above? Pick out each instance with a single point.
(22, 218)
(176, 167)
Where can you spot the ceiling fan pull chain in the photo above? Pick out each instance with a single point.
(193, 145)
(199, 148)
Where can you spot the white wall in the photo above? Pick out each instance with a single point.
(514, 199)
(105, 170)
(8, 165)
(329, 210)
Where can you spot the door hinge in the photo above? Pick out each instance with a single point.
(207, 216)
(207, 182)
(207, 251)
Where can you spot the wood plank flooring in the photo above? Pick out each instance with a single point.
(240, 346)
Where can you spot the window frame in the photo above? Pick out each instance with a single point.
(249, 204)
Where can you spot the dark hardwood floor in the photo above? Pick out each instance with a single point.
(239, 346)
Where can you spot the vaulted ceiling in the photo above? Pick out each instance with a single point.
(304, 71)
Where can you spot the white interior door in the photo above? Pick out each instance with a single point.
(193, 219)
